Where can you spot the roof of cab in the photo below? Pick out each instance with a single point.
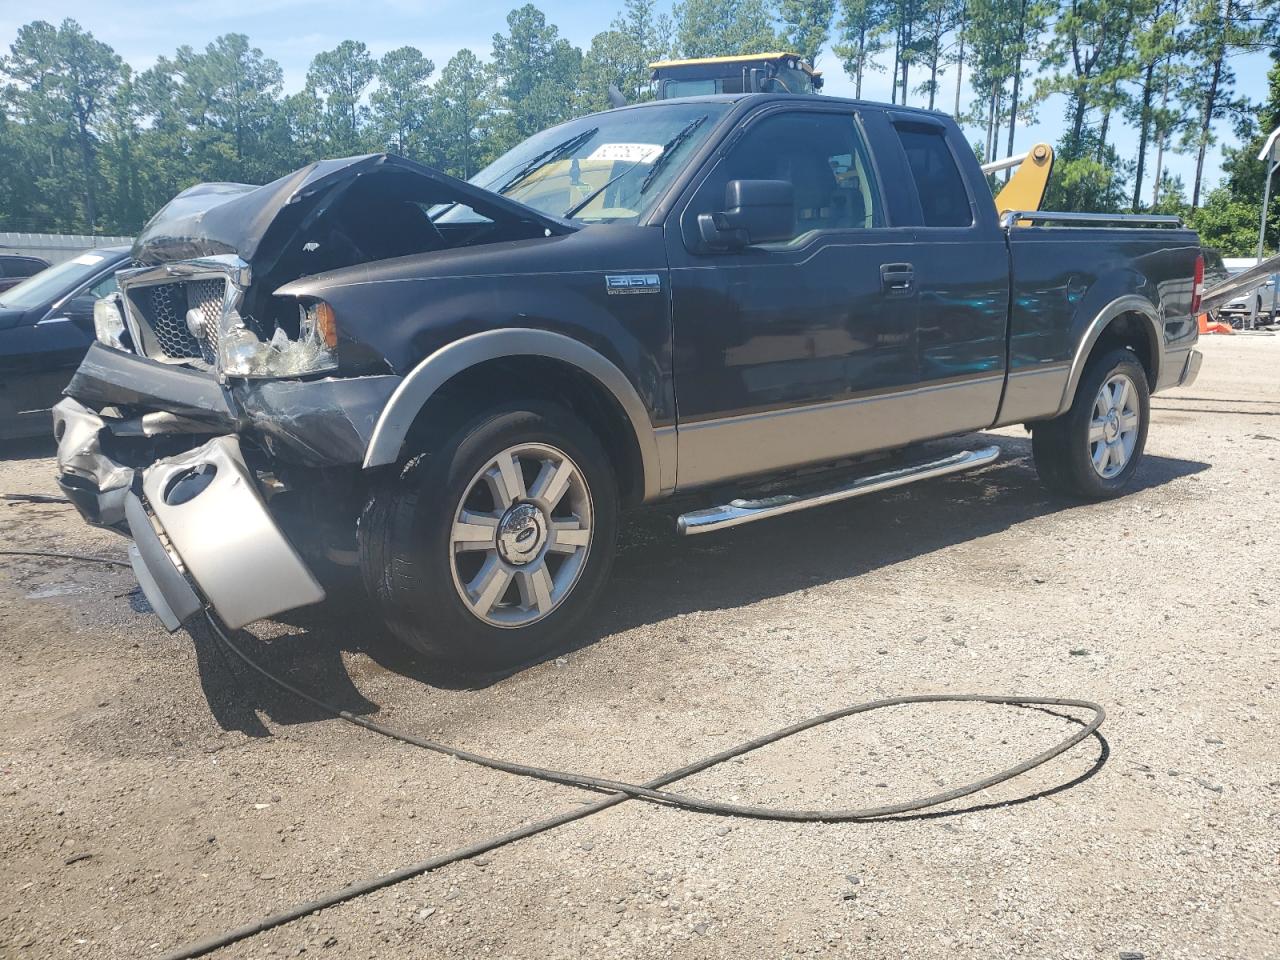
(740, 58)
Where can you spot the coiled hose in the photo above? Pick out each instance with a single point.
(617, 791)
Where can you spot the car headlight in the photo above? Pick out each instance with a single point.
(108, 322)
(241, 353)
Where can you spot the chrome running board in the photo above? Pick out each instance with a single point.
(738, 512)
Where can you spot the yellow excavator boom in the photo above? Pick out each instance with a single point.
(1026, 188)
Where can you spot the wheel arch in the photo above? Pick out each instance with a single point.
(621, 418)
(1129, 321)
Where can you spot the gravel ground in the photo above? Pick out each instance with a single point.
(152, 793)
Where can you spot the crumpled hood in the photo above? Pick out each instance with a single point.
(255, 223)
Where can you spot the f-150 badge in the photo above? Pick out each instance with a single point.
(629, 283)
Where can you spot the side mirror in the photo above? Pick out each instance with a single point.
(756, 211)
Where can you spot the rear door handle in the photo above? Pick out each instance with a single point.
(898, 279)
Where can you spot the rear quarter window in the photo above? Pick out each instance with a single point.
(944, 200)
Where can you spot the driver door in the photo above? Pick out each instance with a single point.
(799, 351)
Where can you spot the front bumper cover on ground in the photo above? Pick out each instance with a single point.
(198, 524)
(206, 503)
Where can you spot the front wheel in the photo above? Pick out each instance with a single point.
(1093, 450)
(490, 547)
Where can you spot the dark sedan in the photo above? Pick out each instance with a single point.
(46, 325)
(14, 268)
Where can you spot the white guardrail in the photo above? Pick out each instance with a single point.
(55, 247)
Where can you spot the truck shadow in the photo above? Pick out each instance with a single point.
(658, 575)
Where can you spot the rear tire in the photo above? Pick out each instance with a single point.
(489, 548)
(1093, 450)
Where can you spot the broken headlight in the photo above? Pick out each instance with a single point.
(241, 353)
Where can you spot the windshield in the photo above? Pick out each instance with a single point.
(600, 169)
(53, 284)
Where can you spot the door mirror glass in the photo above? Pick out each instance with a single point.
(756, 211)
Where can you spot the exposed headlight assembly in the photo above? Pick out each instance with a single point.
(108, 322)
(242, 354)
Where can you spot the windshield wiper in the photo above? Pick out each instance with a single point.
(530, 166)
(581, 205)
(669, 148)
(547, 156)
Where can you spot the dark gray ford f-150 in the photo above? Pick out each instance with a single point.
(455, 387)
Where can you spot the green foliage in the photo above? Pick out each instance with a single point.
(1087, 175)
(338, 79)
(461, 114)
(806, 26)
(620, 56)
(536, 73)
(88, 145)
(60, 84)
(717, 28)
(1231, 213)
(401, 104)
(860, 38)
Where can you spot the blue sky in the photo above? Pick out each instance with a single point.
(291, 31)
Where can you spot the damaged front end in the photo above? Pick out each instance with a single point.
(224, 488)
(222, 423)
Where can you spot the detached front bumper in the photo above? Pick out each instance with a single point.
(200, 528)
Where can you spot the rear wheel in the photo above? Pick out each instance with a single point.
(1093, 450)
(487, 550)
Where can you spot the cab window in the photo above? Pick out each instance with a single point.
(824, 158)
(944, 201)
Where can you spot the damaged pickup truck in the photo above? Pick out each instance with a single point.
(455, 387)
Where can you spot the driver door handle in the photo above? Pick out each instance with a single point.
(898, 279)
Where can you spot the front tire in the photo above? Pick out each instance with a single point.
(1093, 450)
(488, 549)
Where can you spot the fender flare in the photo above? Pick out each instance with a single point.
(1130, 303)
(437, 369)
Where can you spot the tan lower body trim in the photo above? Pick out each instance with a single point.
(715, 450)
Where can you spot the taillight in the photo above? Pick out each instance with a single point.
(1197, 288)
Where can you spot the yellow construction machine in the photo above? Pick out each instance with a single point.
(777, 72)
(1025, 189)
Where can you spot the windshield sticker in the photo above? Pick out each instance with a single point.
(88, 259)
(628, 152)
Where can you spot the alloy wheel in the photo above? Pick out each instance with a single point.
(520, 535)
(1113, 429)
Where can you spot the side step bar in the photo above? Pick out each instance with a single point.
(738, 512)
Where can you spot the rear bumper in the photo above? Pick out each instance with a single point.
(201, 531)
(1191, 369)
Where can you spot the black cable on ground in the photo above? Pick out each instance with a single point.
(618, 791)
(621, 791)
(64, 556)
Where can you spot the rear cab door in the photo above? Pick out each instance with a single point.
(960, 261)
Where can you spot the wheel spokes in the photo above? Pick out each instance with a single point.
(535, 587)
(568, 536)
(1097, 430)
(1128, 422)
(1102, 456)
(551, 484)
(489, 585)
(1120, 394)
(474, 531)
(506, 480)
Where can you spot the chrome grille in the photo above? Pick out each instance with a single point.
(207, 296)
(165, 307)
(169, 322)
